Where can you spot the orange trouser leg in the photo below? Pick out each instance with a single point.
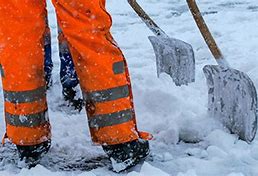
(22, 26)
(101, 68)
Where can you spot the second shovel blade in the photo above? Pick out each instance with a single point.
(174, 57)
(233, 100)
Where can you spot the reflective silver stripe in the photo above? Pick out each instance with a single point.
(116, 118)
(119, 67)
(25, 96)
(31, 120)
(108, 95)
(1, 71)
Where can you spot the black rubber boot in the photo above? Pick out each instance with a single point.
(31, 155)
(69, 95)
(127, 155)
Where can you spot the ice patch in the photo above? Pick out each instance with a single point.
(214, 151)
(236, 174)
(118, 167)
(87, 174)
(148, 170)
(38, 170)
(188, 173)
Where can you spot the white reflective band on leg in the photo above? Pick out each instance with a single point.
(25, 96)
(116, 118)
(30, 120)
(108, 95)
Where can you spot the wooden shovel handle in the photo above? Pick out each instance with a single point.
(204, 30)
(146, 18)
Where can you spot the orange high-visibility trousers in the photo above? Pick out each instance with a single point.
(99, 63)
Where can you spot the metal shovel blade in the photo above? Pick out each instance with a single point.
(174, 57)
(233, 100)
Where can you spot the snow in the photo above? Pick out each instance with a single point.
(149, 170)
(170, 113)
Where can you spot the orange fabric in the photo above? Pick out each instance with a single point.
(116, 134)
(21, 31)
(94, 52)
(112, 106)
(26, 108)
(86, 32)
(86, 28)
(146, 136)
(22, 26)
(23, 135)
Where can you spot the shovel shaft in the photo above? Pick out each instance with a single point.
(146, 19)
(206, 32)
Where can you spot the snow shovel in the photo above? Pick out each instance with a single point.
(173, 56)
(232, 94)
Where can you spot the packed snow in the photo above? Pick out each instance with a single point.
(186, 141)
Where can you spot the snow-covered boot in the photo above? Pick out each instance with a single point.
(126, 155)
(32, 154)
(70, 96)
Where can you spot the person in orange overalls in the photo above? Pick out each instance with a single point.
(101, 68)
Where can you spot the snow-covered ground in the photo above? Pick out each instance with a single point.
(170, 113)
